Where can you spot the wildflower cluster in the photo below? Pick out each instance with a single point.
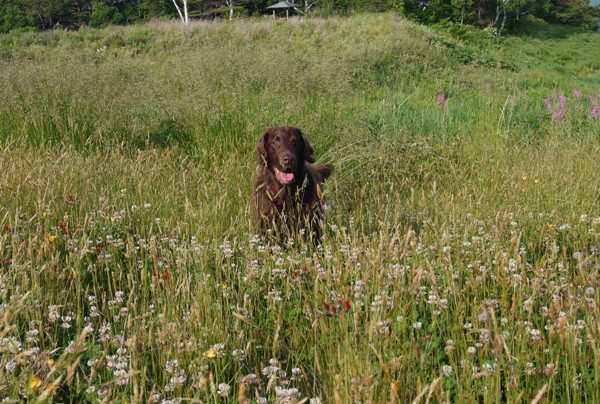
(558, 106)
(130, 277)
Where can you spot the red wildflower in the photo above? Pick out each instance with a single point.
(7, 228)
(326, 306)
(347, 304)
(165, 274)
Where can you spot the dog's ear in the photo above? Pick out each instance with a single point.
(261, 149)
(309, 153)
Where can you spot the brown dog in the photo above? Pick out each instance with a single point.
(287, 191)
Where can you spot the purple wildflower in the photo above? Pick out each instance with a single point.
(548, 104)
(595, 111)
(558, 114)
(441, 99)
(562, 100)
(576, 93)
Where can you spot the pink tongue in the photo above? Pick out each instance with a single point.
(284, 178)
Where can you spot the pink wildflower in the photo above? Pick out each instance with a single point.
(441, 99)
(558, 114)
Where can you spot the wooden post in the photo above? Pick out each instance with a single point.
(287, 10)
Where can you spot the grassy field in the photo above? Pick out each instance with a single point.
(461, 254)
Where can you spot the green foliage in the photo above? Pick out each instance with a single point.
(573, 12)
(104, 14)
(13, 17)
(459, 258)
(496, 15)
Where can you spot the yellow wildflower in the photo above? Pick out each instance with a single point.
(35, 383)
(211, 353)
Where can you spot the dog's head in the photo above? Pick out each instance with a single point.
(283, 150)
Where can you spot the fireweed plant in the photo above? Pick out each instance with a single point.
(557, 105)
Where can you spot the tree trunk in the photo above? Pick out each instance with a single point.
(308, 4)
(498, 12)
(501, 30)
(185, 12)
(184, 15)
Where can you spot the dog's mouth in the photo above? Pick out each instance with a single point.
(283, 177)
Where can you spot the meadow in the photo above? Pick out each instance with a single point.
(460, 258)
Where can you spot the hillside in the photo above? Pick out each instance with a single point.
(459, 260)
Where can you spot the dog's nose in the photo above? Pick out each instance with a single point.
(288, 159)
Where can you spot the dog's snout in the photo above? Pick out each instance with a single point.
(288, 159)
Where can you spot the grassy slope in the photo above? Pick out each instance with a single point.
(151, 130)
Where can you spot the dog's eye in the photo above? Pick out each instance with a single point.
(275, 140)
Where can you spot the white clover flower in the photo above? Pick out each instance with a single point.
(10, 366)
(549, 370)
(220, 348)
(32, 336)
(284, 393)
(172, 365)
(447, 370)
(535, 334)
(382, 328)
(296, 374)
(269, 371)
(239, 355)
(249, 379)
(224, 390)
(119, 296)
(53, 313)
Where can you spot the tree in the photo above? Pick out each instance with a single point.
(13, 17)
(49, 13)
(104, 14)
(230, 5)
(573, 12)
(184, 16)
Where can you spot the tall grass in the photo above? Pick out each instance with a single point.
(460, 257)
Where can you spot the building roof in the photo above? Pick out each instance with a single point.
(282, 4)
